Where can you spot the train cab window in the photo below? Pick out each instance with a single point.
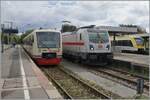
(123, 43)
(98, 37)
(127, 43)
(48, 39)
(139, 41)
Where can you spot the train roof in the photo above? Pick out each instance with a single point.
(65, 33)
(141, 35)
(126, 37)
(41, 30)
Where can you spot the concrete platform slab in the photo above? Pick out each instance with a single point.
(32, 81)
(13, 83)
(141, 60)
(38, 93)
(1, 81)
(1, 86)
(13, 94)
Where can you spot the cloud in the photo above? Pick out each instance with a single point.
(32, 14)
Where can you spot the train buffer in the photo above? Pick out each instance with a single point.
(22, 79)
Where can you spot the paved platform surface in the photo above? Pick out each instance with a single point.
(105, 83)
(136, 59)
(21, 79)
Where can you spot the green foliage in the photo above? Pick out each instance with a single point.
(5, 38)
(25, 34)
(29, 31)
(16, 39)
(12, 38)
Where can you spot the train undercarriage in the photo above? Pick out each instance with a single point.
(90, 58)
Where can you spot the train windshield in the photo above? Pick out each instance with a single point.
(139, 41)
(98, 37)
(48, 39)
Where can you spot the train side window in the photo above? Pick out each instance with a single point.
(32, 39)
(29, 41)
(80, 36)
(124, 42)
(127, 43)
(118, 43)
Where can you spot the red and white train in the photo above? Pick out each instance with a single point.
(44, 46)
(88, 45)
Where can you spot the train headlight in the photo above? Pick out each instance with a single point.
(108, 46)
(91, 47)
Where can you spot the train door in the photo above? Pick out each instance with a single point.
(78, 41)
(82, 42)
(32, 43)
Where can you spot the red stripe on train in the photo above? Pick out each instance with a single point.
(73, 43)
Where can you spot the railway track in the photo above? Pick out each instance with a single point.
(71, 86)
(120, 77)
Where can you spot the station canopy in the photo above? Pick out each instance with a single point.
(112, 29)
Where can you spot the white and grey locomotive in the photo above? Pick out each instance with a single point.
(88, 45)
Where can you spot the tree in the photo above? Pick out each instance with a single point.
(5, 38)
(29, 31)
(25, 34)
(16, 39)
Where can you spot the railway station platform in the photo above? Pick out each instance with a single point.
(134, 59)
(22, 79)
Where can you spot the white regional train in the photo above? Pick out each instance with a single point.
(44, 46)
(88, 45)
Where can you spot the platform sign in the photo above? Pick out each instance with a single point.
(140, 86)
(9, 31)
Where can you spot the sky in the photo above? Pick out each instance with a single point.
(50, 14)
